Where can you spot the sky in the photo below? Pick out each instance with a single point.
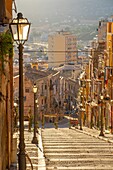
(37, 10)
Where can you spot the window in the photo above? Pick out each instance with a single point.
(45, 100)
(45, 87)
(27, 90)
(42, 101)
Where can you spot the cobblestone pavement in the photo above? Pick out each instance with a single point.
(34, 158)
(74, 149)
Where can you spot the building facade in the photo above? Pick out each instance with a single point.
(61, 48)
(6, 88)
(96, 86)
(47, 95)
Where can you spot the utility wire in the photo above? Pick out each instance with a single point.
(63, 61)
(46, 62)
(61, 51)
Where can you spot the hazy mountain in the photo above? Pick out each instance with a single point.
(58, 10)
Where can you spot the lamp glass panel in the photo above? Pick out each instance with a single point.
(15, 104)
(34, 89)
(36, 101)
(20, 29)
(14, 31)
(102, 97)
(23, 31)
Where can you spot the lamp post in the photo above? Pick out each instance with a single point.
(103, 100)
(37, 115)
(20, 30)
(102, 112)
(34, 140)
(80, 115)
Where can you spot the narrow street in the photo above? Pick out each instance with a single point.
(73, 150)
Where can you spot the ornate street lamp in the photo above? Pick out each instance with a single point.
(20, 30)
(102, 112)
(34, 140)
(15, 104)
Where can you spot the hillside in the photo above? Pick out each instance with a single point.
(57, 10)
(80, 17)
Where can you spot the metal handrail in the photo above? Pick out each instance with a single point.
(29, 160)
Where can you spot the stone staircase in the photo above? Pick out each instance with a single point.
(71, 149)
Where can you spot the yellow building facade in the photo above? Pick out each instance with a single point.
(61, 48)
(109, 66)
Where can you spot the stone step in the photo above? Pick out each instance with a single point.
(75, 143)
(28, 149)
(73, 140)
(80, 168)
(66, 149)
(79, 154)
(97, 159)
(77, 136)
(77, 147)
(74, 156)
(33, 147)
(35, 166)
(71, 150)
(80, 162)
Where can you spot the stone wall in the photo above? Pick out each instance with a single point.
(5, 117)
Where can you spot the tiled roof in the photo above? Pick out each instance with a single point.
(34, 74)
